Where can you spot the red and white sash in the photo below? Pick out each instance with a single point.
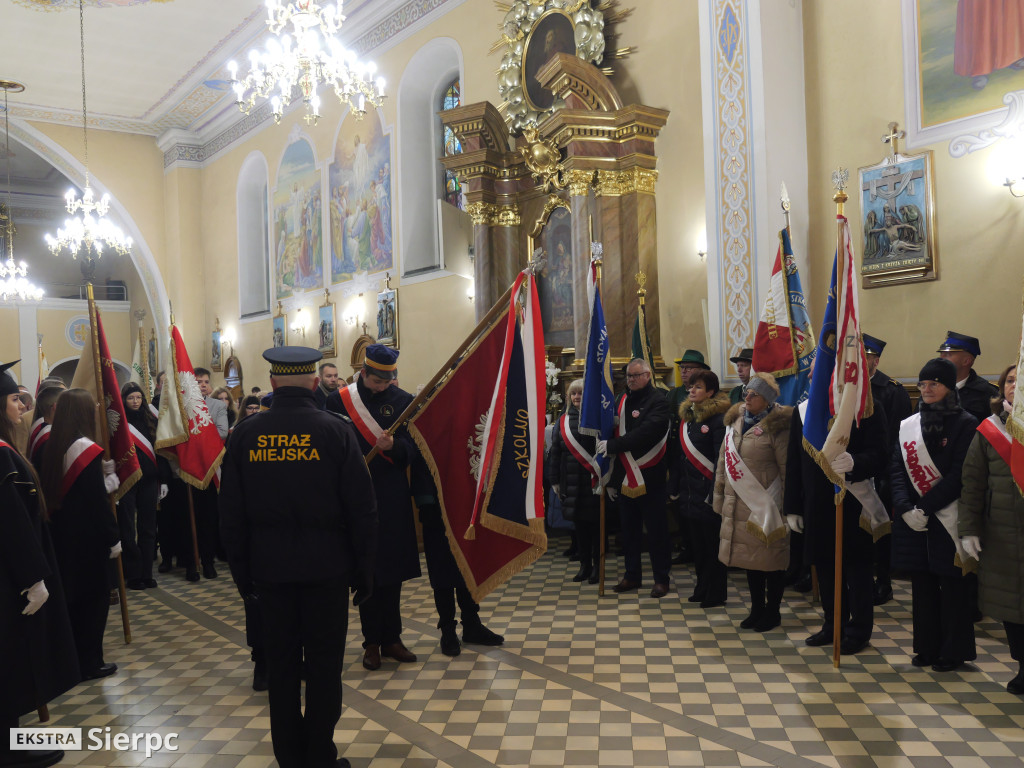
(78, 457)
(37, 427)
(924, 476)
(633, 485)
(588, 460)
(360, 414)
(38, 440)
(699, 461)
(765, 521)
(142, 443)
(993, 430)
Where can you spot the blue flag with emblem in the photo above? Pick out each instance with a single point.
(597, 411)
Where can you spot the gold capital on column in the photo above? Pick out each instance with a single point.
(579, 182)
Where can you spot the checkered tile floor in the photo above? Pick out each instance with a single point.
(581, 681)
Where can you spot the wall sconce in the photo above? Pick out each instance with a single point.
(354, 311)
(702, 247)
(471, 290)
(301, 322)
(227, 336)
(1013, 184)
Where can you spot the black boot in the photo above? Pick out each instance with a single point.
(259, 674)
(477, 634)
(450, 645)
(583, 573)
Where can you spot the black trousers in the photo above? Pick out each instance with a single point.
(883, 559)
(304, 621)
(173, 528)
(647, 511)
(1015, 639)
(766, 588)
(446, 581)
(136, 518)
(712, 574)
(857, 619)
(588, 539)
(207, 523)
(943, 612)
(88, 610)
(381, 616)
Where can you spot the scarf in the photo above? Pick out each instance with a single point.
(933, 419)
(749, 420)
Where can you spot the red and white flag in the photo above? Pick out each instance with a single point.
(851, 385)
(184, 429)
(122, 447)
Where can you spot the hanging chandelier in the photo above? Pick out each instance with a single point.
(91, 230)
(14, 284)
(307, 58)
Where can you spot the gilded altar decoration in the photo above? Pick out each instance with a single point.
(543, 159)
(897, 203)
(491, 215)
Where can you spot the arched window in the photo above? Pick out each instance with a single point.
(253, 237)
(451, 145)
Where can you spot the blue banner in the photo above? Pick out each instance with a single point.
(597, 411)
(794, 389)
(818, 406)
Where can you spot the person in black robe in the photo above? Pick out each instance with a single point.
(36, 645)
(375, 404)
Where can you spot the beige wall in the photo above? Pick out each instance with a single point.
(854, 89)
(9, 343)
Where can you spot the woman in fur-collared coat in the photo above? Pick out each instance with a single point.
(759, 429)
(701, 433)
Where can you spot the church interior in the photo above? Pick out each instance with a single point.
(682, 136)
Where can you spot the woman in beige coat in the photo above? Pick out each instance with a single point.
(748, 496)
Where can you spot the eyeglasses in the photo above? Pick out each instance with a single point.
(252, 408)
(637, 375)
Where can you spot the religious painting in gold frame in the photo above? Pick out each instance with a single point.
(387, 317)
(552, 232)
(325, 329)
(897, 203)
(280, 327)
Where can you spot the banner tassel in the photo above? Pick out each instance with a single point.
(470, 533)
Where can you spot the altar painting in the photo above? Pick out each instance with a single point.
(297, 209)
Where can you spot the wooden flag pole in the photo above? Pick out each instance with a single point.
(839, 179)
(101, 418)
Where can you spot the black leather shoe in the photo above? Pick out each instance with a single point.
(209, 572)
(769, 620)
(659, 590)
(398, 652)
(450, 645)
(259, 678)
(371, 657)
(342, 763)
(105, 671)
(480, 635)
(150, 583)
(921, 660)
(1017, 684)
(191, 575)
(31, 758)
(883, 594)
(848, 646)
(595, 577)
(712, 603)
(751, 620)
(166, 566)
(819, 638)
(136, 583)
(583, 573)
(946, 665)
(626, 586)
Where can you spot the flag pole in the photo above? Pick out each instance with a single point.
(428, 389)
(601, 526)
(105, 444)
(839, 179)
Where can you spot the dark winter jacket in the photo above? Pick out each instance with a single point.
(572, 478)
(645, 430)
(704, 424)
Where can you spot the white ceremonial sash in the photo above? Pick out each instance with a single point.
(924, 475)
(588, 460)
(633, 484)
(142, 442)
(360, 414)
(37, 426)
(765, 521)
(39, 437)
(699, 461)
(993, 430)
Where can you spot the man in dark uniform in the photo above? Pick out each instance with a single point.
(639, 471)
(299, 521)
(691, 362)
(974, 392)
(810, 508)
(374, 403)
(894, 399)
(742, 362)
(328, 384)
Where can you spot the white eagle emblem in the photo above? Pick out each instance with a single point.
(476, 447)
(195, 405)
(113, 417)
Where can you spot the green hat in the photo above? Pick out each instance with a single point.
(694, 357)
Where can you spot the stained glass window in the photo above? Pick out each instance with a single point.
(452, 189)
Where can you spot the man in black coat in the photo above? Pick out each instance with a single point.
(895, 401)
(299, 522)
(328, 384)
(810, 507)
(640, 472)
(974, 392)
(373, 402)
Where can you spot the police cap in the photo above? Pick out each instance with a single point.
(960, 342)
(381, 361)
(289, 361)
(872, 345)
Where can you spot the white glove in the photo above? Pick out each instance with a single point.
(916, 520)
(842, 463)
(673, 497)
(108, 466)
(554, 488)
(163, 491)
(972, 546)
(612, 493)
(115, 550)
(796, 523)
(111, 483)
(602, 448)
(37, 595)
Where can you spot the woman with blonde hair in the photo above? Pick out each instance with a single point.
(574, 477)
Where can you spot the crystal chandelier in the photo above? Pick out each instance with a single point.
(13, 283)
(91, 230)
(307, 58)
